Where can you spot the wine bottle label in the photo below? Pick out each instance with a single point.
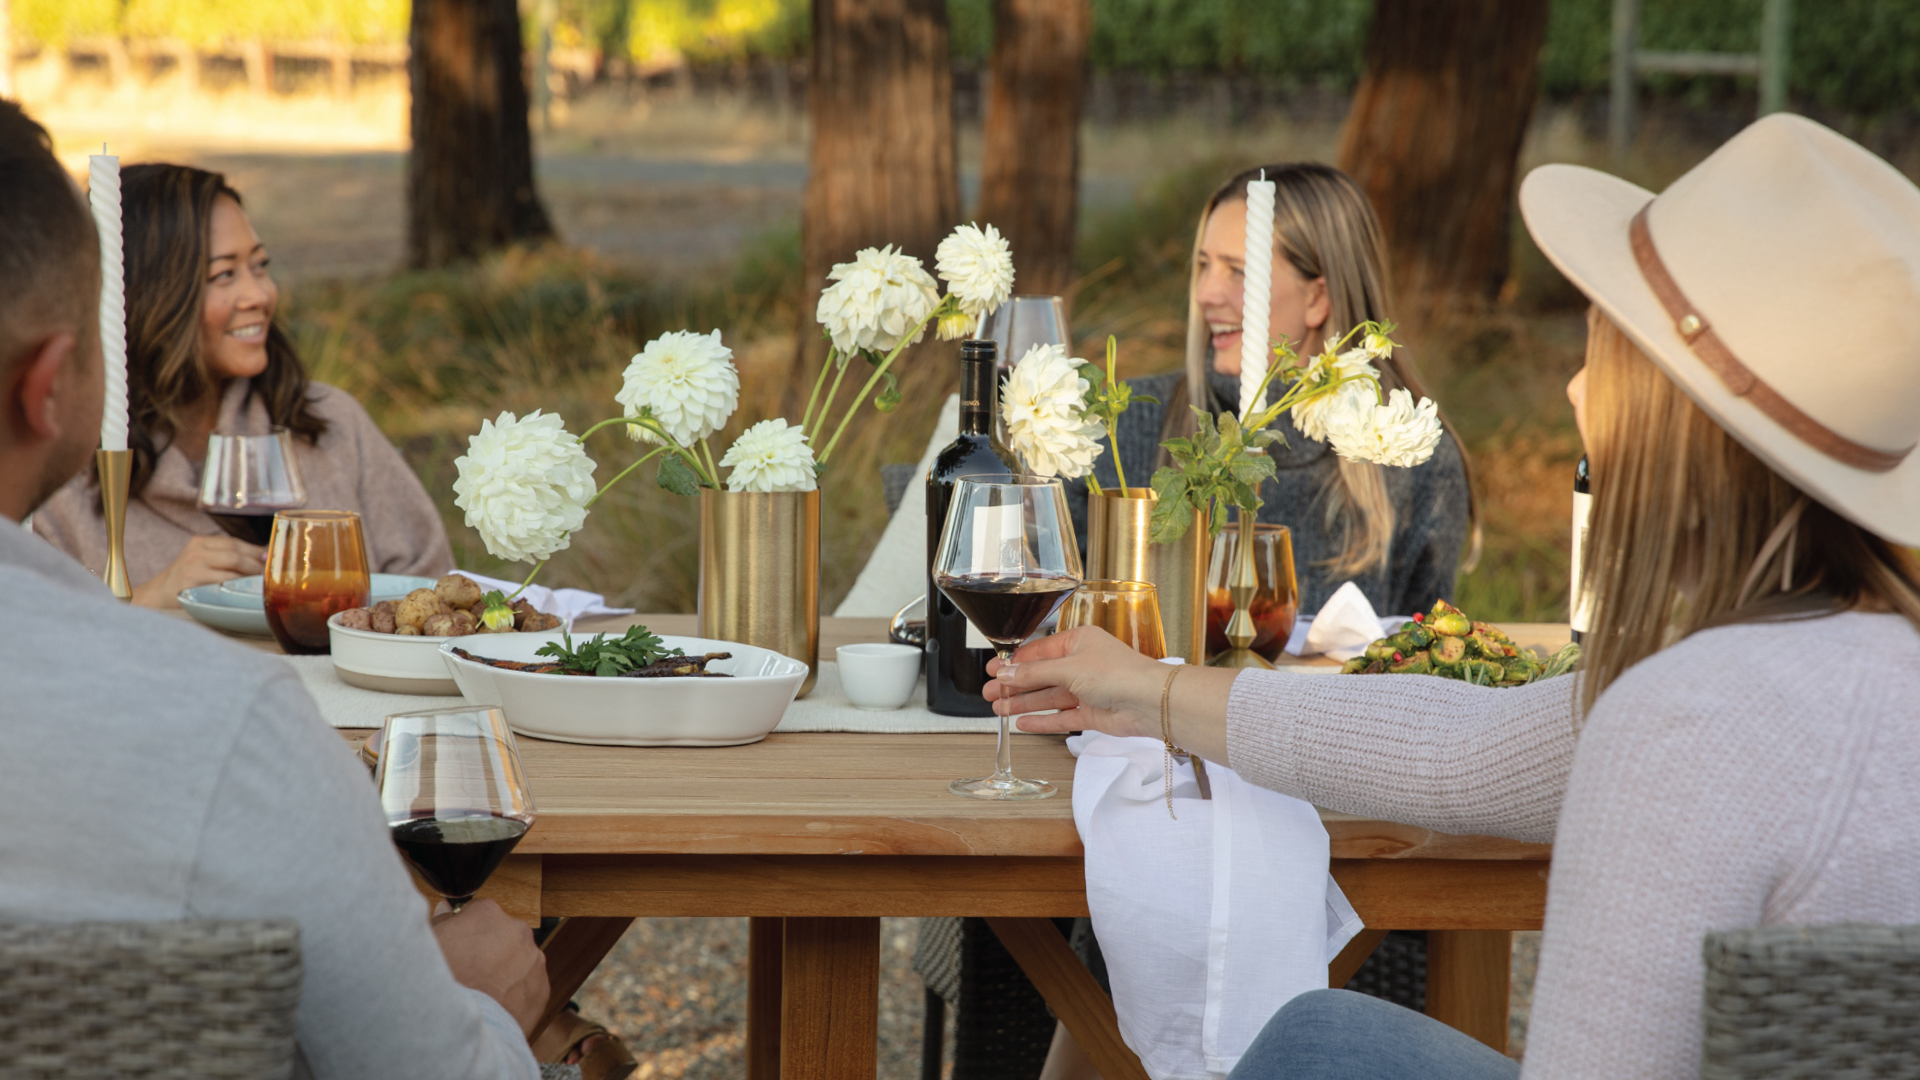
(995, 530)
(1580, 599)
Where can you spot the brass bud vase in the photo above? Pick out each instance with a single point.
(760, 572)
(1118, 524)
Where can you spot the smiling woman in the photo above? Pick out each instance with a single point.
(205, 355)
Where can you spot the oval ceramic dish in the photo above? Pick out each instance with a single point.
(632, 712)
(396, 664)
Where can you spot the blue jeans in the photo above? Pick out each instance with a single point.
(1341, 1035)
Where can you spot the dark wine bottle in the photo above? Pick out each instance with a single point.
(957, 654)
(1579, 600)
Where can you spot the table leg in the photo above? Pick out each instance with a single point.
(1075, 995)
(573, 950)
(830, 998)
(764, 937)
(1345, 966)
(1468, 972)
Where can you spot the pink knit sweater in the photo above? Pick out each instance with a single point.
(1751, 775)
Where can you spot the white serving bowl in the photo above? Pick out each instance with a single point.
(396, 664)
(631, 712)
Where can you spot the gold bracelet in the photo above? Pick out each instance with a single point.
(1166, 735)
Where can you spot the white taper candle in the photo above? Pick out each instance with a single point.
(1255, 351)
(103, 194)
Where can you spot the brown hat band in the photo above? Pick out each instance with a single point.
(1740, 379)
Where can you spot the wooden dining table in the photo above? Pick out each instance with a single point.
(816, 836)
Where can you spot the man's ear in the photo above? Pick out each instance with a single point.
(1319, 307)
(37, 383)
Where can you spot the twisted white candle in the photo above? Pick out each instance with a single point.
(103, 194)
(1255, 353)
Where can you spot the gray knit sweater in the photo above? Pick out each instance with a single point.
(1430, 504)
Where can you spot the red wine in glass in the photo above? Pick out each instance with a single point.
(455, 856)
(1008, 609)
(254, 524)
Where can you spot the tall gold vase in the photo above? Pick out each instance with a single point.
(760, 572)
(1117, 548)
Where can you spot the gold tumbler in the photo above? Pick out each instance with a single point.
(760, 572)
(1118, 524)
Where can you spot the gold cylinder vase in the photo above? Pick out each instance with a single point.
(1118, 524)
(760, 572)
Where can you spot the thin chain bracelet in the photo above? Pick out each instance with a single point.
(1166, 735)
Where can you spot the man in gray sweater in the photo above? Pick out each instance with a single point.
(153, 771)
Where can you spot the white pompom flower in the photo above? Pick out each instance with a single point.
(525, 484)
(1044, 406)
(1398, 433)
(977, 265)
(770, 456)
(875, 301)
(684, 380)
(1314, 415)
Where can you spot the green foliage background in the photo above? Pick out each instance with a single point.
(1858, 56)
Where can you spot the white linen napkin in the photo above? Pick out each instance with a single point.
(1209, 921)
(1343, 629)
(569, 604)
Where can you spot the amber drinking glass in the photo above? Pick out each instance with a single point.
(1276, 602)
(1129, 610)
(316, 565)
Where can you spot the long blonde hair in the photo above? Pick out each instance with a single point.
(1325, 228)
(1690, 530)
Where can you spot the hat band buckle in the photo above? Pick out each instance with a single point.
(1740, 379)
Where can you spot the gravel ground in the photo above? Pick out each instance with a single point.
(676, 990)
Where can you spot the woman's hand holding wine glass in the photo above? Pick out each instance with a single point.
(1101, 684)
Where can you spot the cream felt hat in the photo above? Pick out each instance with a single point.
(1778, 284)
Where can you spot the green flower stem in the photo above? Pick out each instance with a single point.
(833, 392)
(530, 573)
(709, 477)
(807, 417)
(874, 380)
(713, 470)
(622, 475)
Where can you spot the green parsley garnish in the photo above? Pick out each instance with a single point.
(635, 649)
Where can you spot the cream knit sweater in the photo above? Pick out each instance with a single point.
(1750, 775)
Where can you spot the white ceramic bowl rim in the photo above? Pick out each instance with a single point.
(788, 667)
(333, 624)
(878, 649)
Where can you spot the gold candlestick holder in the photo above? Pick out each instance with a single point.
(115, 469)
(1242, 583)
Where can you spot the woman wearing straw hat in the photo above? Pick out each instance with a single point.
(1743, 748)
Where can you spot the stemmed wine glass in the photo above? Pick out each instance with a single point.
(454, 794)
(249, 478)
(1007, 560)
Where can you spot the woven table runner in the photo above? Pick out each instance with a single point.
(826, 709)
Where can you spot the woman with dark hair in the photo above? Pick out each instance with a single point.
(204, 354)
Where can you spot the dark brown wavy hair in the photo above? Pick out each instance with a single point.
(167, 211)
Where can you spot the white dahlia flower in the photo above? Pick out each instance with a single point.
(875, 300)
(770, 456)
(524, 484)
(1314, 415)
(1398, 433)
(977, 266)
(684, 380)
(1044, 406)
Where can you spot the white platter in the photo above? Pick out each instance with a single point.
(631, 712)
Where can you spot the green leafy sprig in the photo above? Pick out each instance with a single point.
(1108, 398)
(600, 656)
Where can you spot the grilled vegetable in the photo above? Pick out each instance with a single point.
(1444, 642)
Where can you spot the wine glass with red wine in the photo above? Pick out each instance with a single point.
(249, 478)
(455, 796)
(1007, 559)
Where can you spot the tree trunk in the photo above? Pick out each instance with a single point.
(1434, 138)
(881, 166)
(470, 173)
(1029, 183)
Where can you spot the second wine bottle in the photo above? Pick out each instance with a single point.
(957, 654)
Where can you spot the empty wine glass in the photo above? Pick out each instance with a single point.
(1129, 610)
(454, 794)
(1007, 560)
(249, 478)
